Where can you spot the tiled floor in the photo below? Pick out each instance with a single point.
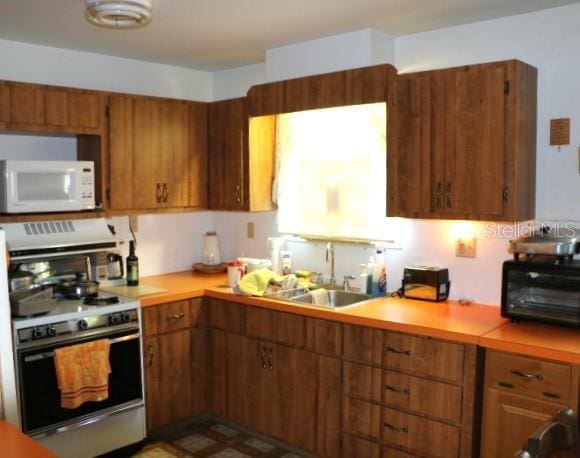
(214, 440)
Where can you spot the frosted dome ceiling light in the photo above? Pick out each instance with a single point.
(118, 14)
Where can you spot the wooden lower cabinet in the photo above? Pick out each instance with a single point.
(282, 391)
(521, 393)
(175, 362)
(407, 395)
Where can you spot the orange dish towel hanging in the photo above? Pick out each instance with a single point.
(82, 373)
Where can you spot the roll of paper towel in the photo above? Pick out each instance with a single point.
(275, 245)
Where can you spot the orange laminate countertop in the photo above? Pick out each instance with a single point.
(18, 445)
(180, 286)
(446, 320)
(473, 324)
(537, 340)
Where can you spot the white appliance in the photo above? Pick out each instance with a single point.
(31, 394)
(46, 186)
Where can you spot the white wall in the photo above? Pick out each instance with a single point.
(339, 52)
(63, 67)
(547, 39)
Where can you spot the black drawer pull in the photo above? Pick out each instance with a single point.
(399, 352)
(549, 394)
(395, 428)
(397, 390)
(527, 375)
(505, 385)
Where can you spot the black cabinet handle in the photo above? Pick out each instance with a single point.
(527, 375)
(399, 352)
(263, 358)
(165, 193)
(158, 193)
(396, 428)
(404, 391)
(270, 366)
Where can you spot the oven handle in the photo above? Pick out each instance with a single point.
(50, 354)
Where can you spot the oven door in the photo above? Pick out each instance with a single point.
(40, 396)
(545, 293)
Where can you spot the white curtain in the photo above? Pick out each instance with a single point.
(331, 172)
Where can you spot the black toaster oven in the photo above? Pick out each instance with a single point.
(426, 283)
(544, 289)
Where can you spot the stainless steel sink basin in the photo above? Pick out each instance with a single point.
(336, 298)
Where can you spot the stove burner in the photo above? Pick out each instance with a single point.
(97, 300)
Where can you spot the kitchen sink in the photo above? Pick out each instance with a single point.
(336, 298)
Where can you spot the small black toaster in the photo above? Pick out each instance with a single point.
(426, 283)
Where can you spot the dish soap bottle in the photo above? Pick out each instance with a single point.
(370, 276)
(132, 266)
(379, 276)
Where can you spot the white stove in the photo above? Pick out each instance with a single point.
(95, 427)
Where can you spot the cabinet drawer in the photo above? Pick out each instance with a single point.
(275, 326)
(361, 418)
(419, 434)
(225, 315)
(362, 344)
(173, 316)
(434, 399)
(355, 447)
(324, 337)
(545, 379)
(423, 356)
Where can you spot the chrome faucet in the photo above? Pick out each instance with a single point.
(330, 258)
(346, 282)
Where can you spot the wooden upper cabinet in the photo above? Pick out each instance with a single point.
(26, 103)
(463, 144)
(227, 162)
(157, 153)
(39, 108)
(198, 144)
(73, 108)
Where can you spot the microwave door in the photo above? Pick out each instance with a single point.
(49, 190)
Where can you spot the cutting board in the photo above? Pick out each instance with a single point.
(133, 291)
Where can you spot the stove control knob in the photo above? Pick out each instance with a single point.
(50, 331)
(36, 333)
(114, 319)
(82, 325)
(126, 317)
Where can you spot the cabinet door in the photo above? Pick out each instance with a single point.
(168, 369)
(227, 163)
(475, 150)
(73, 109)
(218, 369)
(411, 182)
(173, 153)
(369, 84)
(26, 103)
(4, 102)
(295, 396)
(509, 419)
(197, 154)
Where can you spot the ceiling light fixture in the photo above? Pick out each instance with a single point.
(118, 14)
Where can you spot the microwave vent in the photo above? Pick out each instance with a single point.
(49, 227)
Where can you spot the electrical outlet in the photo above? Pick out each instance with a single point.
(465, 248)
(134, 222)
(250, 230)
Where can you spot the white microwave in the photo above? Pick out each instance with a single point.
(46, 186)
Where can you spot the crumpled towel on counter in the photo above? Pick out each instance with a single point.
(258, 282)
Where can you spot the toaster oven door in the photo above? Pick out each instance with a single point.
(548, 294)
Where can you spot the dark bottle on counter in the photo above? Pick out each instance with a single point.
(132, 266)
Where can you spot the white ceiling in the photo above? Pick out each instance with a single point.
(218, 34)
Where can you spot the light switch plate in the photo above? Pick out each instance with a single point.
(465, 248)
